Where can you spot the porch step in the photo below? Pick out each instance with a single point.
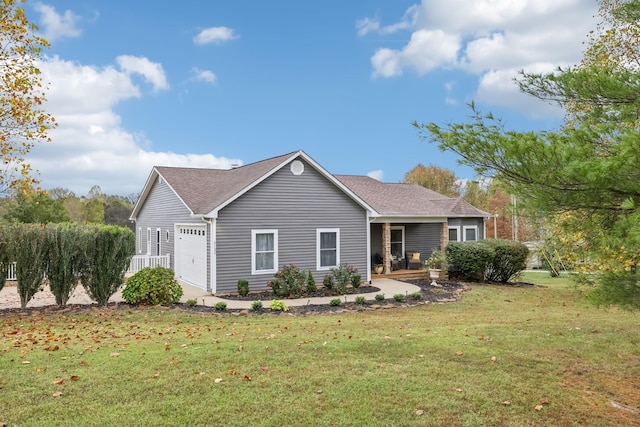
(401, 274)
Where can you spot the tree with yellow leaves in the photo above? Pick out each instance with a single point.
(23, 122)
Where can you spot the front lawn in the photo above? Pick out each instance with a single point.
(500, 356)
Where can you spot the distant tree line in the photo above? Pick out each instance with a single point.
(60, 205)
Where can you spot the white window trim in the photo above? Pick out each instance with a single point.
(253, 251)
(400, 227)
(158, 241)
(148, 241)
(327, 230)
(139, 240)
(454, 227)
(469, 227)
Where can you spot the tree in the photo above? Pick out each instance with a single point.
(23, 123)
(435, 178)
(590, 167)
(35, 208)
(94, 206)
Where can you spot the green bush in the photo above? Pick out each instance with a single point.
(343, 276)
(509, 259)
(220, 306)
(278, 306)
(5, 257)
(328, 282)
(192, 302)
(311, 283)
(399, 297)
(379, 297)
(356, 280)
(66, 258)
(256, 305)
(109, 250)
(361, 300)
(29, 249)
(469, 260)
(335, 302)
(243, 287)
(416, 296)
(152, 286)
(288, 282)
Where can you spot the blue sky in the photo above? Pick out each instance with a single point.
(135, 84)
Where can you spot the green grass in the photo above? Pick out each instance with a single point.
(457, 362)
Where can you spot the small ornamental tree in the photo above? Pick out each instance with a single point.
(109, 252)
(29, 249)
(66, 259)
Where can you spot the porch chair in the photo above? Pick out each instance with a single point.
(414, 261)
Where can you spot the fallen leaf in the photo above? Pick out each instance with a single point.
(217, 380)
(265, 368)
(157, 374)
(25, 362)
(37, 371)
(544, 401)
(57, 394)
(459, 390)
(58, 381)
(538, 407)
(247, 377)
(506, 402)
(232, 372)
(115, 354)
(493, 358)
(319, 391)
(419, 412)
(74, 378)
(203, 373)
(459, 353)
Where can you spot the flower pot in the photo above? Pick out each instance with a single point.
(434, 273)
(378, 269)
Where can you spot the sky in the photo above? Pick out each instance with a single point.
(210, 83)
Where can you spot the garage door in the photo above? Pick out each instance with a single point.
(192, 255)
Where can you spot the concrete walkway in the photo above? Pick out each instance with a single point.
(9, 297)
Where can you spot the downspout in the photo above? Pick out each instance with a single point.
(211, 276)
(368, 221)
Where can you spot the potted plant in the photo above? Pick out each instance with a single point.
(434, 264)
(378, 268)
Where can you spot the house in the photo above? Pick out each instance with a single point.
(219, 226)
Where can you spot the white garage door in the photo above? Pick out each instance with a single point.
(192, 255)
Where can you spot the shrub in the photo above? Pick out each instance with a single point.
(379, 297)
(30, 253)
(109, 252)
(278, 306)
(361, 300)
(335, 302)
(256, 305)
(192, 302)
(311, 283)
(468, 260)
(65, 259)
(399, 297)
(220, 306)
(356, 280)
(5, 237)
(288, 282)
(343, 276)
(509, 259)
(243, 287)
(152, 286)
(416, 296)
(328, 282)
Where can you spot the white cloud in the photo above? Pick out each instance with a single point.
(377, 174)
(493, 39)
(90, 146)
(151, 71)
(216, 35)
(54, 25)
(206, 76)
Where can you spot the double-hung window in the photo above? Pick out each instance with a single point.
(454, 234)
(470, 233)
(264, 251)
(327, 248)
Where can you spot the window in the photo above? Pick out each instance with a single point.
(397, 241)
(139, 240)
(470, 232)
(158, 237)
(327, 248)
(148, 241)
(453, 234)
(264, 251)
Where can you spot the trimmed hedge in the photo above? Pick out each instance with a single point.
(492, 260)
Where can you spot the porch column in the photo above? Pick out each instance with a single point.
(386, 247)
(444, 235)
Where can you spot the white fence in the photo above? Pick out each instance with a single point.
(138, 262)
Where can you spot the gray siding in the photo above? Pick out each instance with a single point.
(461, 222)
(162, 209)
(296, 206)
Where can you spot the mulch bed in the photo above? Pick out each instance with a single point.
(448, 292)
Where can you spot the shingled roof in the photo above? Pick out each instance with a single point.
(205, 190)
(397, 199)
